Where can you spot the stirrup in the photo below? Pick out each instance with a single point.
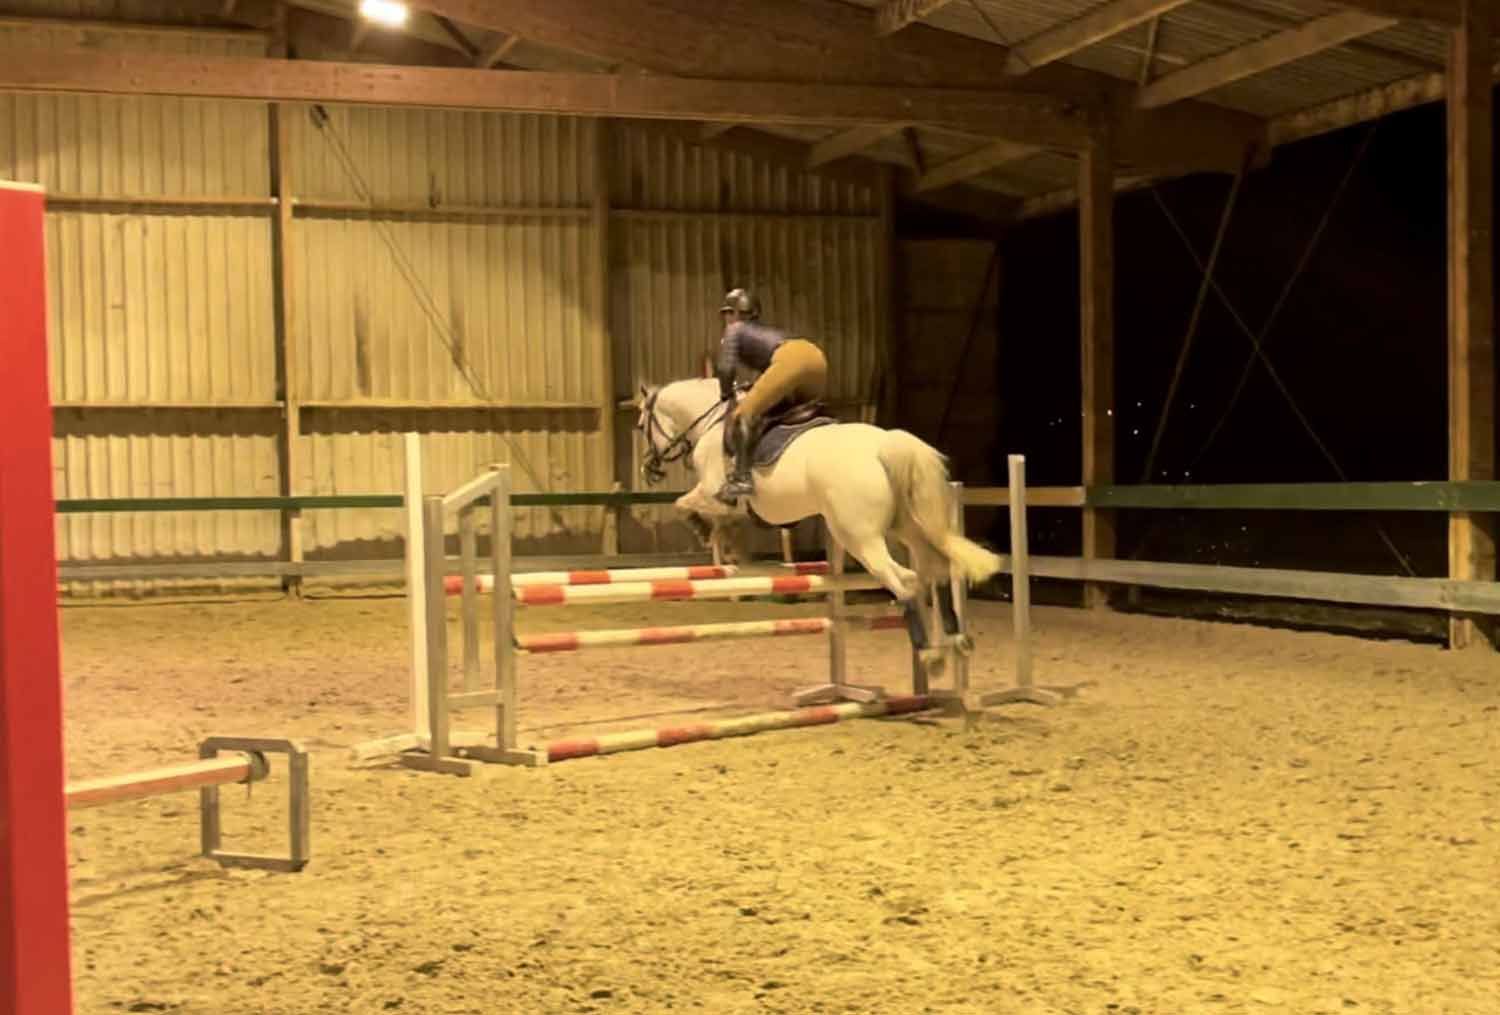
(733, 489)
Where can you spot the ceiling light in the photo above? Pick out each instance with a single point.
(385, 12)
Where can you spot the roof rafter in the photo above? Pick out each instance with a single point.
(827, 41)
(1275, 50)
(1443, 12)
(966, 167)
(894, 15)
(850, 142)
(1097, 25)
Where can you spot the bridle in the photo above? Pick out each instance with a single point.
(677, 448)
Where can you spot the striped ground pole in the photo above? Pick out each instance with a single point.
(681, 589)
(454, 585)
(573, 641)
(671, 736)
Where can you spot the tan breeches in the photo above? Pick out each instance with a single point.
(798, 373)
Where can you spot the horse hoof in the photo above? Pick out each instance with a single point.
(933, 660)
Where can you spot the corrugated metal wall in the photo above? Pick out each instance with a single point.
(473, 293)
(168, 305)
(443, 278)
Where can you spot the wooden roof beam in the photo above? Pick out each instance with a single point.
(966, 167)
(1273, 51)
(1097, 25)
(1444, 12)
(91, 71)
(989, 207)
(1361, 107)
(851, 142)
(830, 41)
(894, 15)
(1059, 201)
(497, 51)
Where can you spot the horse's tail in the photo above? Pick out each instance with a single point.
(919, 474)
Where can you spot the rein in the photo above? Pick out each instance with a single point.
(677, 448)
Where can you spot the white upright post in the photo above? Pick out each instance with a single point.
(1020, 569)
(1020, 561)
(958, 585)
(416, 586)
(838, 633)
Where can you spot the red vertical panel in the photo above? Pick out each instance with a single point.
(34, 958)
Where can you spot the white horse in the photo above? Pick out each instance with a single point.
(866, 482)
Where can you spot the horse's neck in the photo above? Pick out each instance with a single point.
(686, 402)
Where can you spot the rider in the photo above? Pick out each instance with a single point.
(792, 371)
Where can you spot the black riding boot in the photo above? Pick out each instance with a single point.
(740, 482)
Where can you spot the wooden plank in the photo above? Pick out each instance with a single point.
(826, 41)
(1440, 497)
(1059, 201)
(1361, 107)
(603, 334)
(1273, 51)
(161, 781)
(1473, 597)
(372, 570)
(1443, 12)
(1471, 496)
(497, 52)
(34, 948)
(1071, 36)
(1471, 299)
(850, 142)
(284, 315)
(456, 34)
(1096, 240)
(888, 331)
(894, 15)
(392, 209)
(1036, 496)
(1030, 118)
(973, 164)
(188, 204)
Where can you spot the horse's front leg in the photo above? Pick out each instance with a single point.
(700, 526)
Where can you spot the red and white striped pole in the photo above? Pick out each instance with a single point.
(675, 590)
(454, 585)
(573, 641)
(671, 736)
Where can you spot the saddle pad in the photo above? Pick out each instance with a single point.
(777, 439)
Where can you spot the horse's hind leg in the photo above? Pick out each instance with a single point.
(935, 573)
(872, 551)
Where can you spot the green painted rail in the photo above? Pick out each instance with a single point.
(1435, 497)
(98, 505)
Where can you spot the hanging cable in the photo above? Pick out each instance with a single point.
(1257, 351)
(1275, 376)
(1197, 315)
(426, 302)
(977, 318)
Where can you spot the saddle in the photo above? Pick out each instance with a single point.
(796, 414)
(784, 424)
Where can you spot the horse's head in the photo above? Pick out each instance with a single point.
(658, 430)
(672, 417)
